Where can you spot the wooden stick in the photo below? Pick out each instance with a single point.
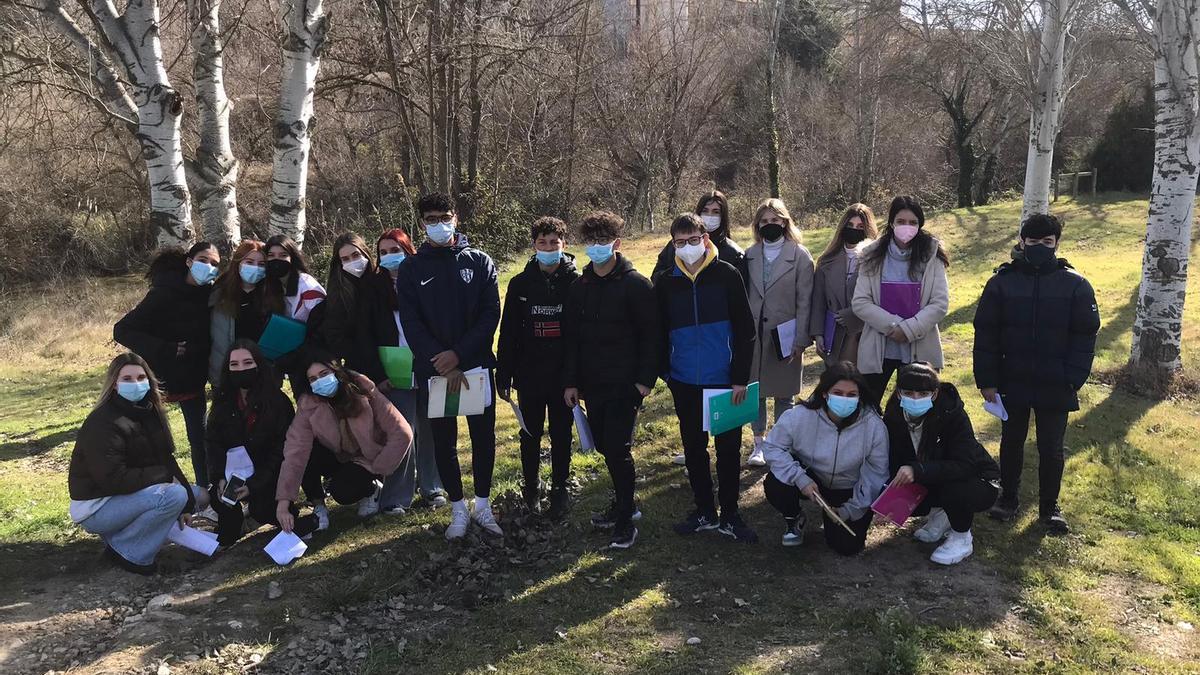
(832, 514)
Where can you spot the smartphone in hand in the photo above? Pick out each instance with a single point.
(229, 496)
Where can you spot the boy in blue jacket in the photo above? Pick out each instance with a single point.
(449, 303)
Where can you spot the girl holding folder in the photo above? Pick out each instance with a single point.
(901, 295)
(832, 322)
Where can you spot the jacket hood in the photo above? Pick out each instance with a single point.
(948, 402)
(173, 280)
(565, 266)
(461, 242)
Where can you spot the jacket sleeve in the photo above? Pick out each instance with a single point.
(1081, 341)
(960, 453)
(297, 447)
(817, 306)
(665, 261)
(135, 330)
(804, 294)
(872, 475)
(571, 309)
(879, 319)
(266, 474)
(397, 432)
(742, 324)
(644, 306)
(337, 326)
(508, 350)
(662, 301)
(422, 342)
(986, 354)
(778, 450)
(477, 341)
(103, 451)
(214, 447)
(935, 310)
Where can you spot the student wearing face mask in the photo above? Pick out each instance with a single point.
(707, 343)
(239, 308)
(834, 326)
(1035, 337)
(781, 288)
(345, 431)
(124, 482)
(901, 295)
(169, 328)
(713, 210)
(249, 412)
(450, 308)
(932, 444)
(530, 355)
(289, 290)
(834, 444)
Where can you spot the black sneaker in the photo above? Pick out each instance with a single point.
(734, 526)
(608, 518)
(696, 521)
(794, 534)
(624, 534)
(1003, 509)
(1052, 519)
(560, 503)
(531, 499)
(120, 561)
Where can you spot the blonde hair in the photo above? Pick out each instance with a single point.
(154, 396)
(870, 229)
(790, 231)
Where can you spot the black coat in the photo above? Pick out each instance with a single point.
(727, 250)
(120, 449)
(1035, 334)
(531, 347)
(350, 331)
(173, 311)
(612, 332)
(949, 451)
(263, 441)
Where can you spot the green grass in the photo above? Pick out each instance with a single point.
(1023, 603)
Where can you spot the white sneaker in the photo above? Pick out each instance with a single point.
(460, 518)
(756, 456)
(936, 526)
(322, 513)
(369, 506)
(487, 520)
(955, 549)
(681, 460)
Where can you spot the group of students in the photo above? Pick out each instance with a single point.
(709, 317)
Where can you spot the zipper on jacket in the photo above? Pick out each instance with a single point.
(696, 318)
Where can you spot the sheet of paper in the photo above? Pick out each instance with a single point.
(285, 547)
(471, 400)
(704, 413)
(193, 539)
(787, 338)
(520, 418)
(996, 408)
(584, 429)
(238, 463)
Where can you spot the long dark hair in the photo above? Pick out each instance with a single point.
(229, 285)
(722, 231)
(923, 246)
(836, 245)
(834, 374)
(349, 400)
(173, 260)
(341, 285)
(263, 397)
(274, 293)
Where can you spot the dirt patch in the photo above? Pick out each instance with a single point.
(1141, 611)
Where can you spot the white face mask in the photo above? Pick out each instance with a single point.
(356, 267)
(711, 222)
(690, 254)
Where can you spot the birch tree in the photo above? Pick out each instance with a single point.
(1046, 104)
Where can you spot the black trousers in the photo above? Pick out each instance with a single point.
(961, 501)
(786, 499)
(261, 508)
(346, 482)
(689, 408)
(879, 381)
(612, 421)
(1051, 430)
(483, 452)
(537, 404)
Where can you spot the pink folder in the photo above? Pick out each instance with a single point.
(897, 503)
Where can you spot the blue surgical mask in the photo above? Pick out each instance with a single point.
(842, 406)
(440, 233)
(391, 261)
(251, 273)
(202, 273)
(133, 392)
(326, 385)
(916, 407)
(548, 258)
(600, 253)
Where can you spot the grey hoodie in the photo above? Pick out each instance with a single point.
(854, 458)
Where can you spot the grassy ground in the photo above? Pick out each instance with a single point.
(1119, 595)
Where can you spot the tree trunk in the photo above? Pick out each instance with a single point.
(214, 172)
(772, 110)
(412, 147)
(1157, 328)
(571, 128)
(1046, 110)
(114, 100)
(305, 24)
(983, 192)
(966, 172)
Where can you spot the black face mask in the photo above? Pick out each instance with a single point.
(771, 232)
(244, 379)
(279, 268)
(1038, 255)
(852, 237)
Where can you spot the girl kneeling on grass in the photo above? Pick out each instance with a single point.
(124, 482)
(345, 430)
(932, 444)
(833, 446)
(250, 413)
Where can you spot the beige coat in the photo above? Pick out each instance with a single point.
(832, 292)
(922, 329)
(785, 296)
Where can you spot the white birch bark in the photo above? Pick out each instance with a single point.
(1157, 328)
(214, 172)
(304, 36)
(1046, 106)
(113, 97)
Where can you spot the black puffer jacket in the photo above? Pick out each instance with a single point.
(612, 332)
(531, 348)
(1035, 334)
(949, 451)
(173, 311)
(349, 331)
(228, 428)
(727, 251)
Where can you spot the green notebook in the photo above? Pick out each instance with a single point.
(397, 365)
(281, 336)
(722, 415)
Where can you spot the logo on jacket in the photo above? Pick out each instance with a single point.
(467, 275)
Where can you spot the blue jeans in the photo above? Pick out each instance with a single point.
(135, 525)
(782, 405)
(419, 465)
(193, 411)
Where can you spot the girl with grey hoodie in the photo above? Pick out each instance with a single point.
(835, 444)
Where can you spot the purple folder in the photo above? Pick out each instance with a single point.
(830, 327)
(902, 298)
(897, 502)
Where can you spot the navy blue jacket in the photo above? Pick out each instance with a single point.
(449, 299)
